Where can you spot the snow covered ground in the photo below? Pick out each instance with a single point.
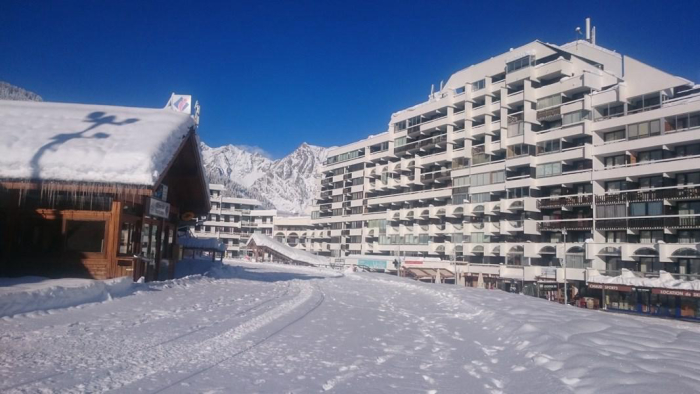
(249, 328)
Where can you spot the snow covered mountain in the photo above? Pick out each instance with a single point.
(287, 184)
(12, 92)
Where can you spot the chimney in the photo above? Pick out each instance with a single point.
(593, 35)
(588, 29)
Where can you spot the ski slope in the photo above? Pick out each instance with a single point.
(263, 328)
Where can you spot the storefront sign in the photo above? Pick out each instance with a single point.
(375, 264)
(158, 208)
(413, 262)
(609, 287)
(548, 286)
(674, 292)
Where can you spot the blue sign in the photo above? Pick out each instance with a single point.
(376, 264)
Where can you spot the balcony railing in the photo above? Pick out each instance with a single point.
(649, 223)
(648, 195)
(557, 202)
(567, 224)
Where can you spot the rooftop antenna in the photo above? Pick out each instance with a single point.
(593, 35)
(588, 29)
(578, 36)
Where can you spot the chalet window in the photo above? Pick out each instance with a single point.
(85, 236)
(128, 237)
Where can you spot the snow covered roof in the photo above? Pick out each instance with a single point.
(301, 256)
(44, 141)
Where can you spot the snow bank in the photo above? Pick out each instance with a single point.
(88, 143)
(287, 251)
(627, 277)
(31, 293)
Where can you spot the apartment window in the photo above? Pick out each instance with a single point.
(315, 215)
(616, 135)
(480, 238)
(549, 101)
(516, 129)
(460, 181)
(688, 236)
(518, 150)
(574, 117)
(646, 208)
(355, 210)
(615, 161)
(689, 208)
(651, 181)
(650, 155)
(398, 126)
(549, 169)
(644, 129)
(518, 192)
(611, 211)
(480, 197)
(345, 156)
(525, 61)
(423, 239)
(615, 186)
(459, 198)
(550, 146)
(399, 142)
(478, 85)
(338, 198)
(379, 147)
(337, 212)
(615, 236)
(457, 238)
(480, 158)
(488, 178)
(651, 236)
(691, 178)
(414, 121)
(682, 122)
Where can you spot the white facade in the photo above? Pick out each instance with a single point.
(539, 153)
(295, 231)
(233, 220)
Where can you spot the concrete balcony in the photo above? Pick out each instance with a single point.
(567, 132)
(664, 139)
(567, 155)
(616, 94)
(519, 75)
(633, 171)
(566, 178)
(555, 68)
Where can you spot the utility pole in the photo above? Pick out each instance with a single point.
(566, 290)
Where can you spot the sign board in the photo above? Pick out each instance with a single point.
(180, 103)
(674, 292)
(609, 287)
(158, 208)
(161, 193)
(413, 262)
(549, 286)
(375, 264)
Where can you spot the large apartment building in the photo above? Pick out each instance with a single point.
(544, 152)
(234, 220)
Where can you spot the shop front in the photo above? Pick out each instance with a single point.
(660, 302)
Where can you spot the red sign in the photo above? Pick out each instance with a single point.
(409, 262)
(675, 292)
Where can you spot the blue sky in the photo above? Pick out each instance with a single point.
(275, 74)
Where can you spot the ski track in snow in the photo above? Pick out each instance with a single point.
(269, 329)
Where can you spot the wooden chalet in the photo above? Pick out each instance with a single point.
(96, 191)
